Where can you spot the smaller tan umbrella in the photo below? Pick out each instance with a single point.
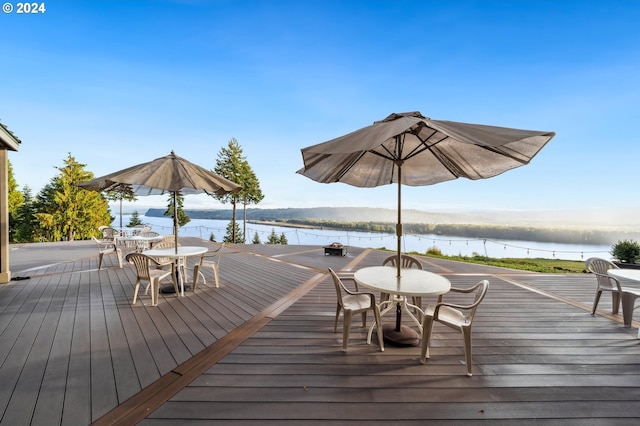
(169, 174)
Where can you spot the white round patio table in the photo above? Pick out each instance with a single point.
(630, 277)
(412, 282)
(179, 257)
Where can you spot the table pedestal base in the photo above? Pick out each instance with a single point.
(168, 289)
(407, 336)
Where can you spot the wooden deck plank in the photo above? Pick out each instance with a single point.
(264, 340)
(51, 395)
(77, 400)
(103, 387)
(396, 376)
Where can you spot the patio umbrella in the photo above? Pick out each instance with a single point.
(169, 174)
(411, 149)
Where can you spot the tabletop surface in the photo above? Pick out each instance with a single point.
(171, 251)
(412, 282)
(140, 237)
(630, 274)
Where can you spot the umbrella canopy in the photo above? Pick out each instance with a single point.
(169, 174)
(411, 149)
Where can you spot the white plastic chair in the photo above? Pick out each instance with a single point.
(144, 272)
(406, 262)
(209, 259)
(456, 316)
(354, 303)
(107, 247)
(599, 268)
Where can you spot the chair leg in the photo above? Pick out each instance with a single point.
(155, 291)
(216, 274)
(427, 326)
(615, 300)
(196, 276)
(174, 280)
(595, 302)
(335, 324)
(100, 256)
(376, 314)
(417, 300)
(135, 291)
(466, 332)
(364, 319)
(628, 303)
(119, 254)
(347, 328)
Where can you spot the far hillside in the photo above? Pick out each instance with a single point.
(545, 227)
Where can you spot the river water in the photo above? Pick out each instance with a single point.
(204, 228)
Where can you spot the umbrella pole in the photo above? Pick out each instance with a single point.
(120, 212)
(175, 220)
(399, 224)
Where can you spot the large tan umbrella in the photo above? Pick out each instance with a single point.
(169, 174)
(414, 150)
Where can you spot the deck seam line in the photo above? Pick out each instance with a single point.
(145, 402)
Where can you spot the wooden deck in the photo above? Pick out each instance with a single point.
(74, 351)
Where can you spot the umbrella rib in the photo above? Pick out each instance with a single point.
(349, 166)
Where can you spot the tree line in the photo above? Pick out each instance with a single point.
(551, 235)
(62, 211)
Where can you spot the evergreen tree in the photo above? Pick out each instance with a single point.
(250, 193)
(256, 238)
(233, 231)
(283, 239)
(183, 219)
(15, 200)
(230, 164)
(273, 238)
(67, 212)
(134, 220)
(26, 223)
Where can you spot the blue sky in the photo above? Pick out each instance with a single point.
(116, 83)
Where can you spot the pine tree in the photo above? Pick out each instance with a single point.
(273, 238)
(67, 212)
(283, 239)
(256, 238)
(26, 222)
(15, 200)
(233, 231)
(134, 220)
(183, 219)
(232, 165)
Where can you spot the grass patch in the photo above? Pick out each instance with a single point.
(555, 266)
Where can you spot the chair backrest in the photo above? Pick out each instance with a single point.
(480, 290)
(164, 244)
(218, 254)
(406, 261)
(169, 238)
(108, 233)
(141, 230)
(599, 268)
(150, 234)
(141, 262)
(340, 288)
(104, 244)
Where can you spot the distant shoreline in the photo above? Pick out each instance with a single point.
(348, 219)
(284, 224)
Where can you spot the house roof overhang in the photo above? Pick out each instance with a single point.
(7, 139)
